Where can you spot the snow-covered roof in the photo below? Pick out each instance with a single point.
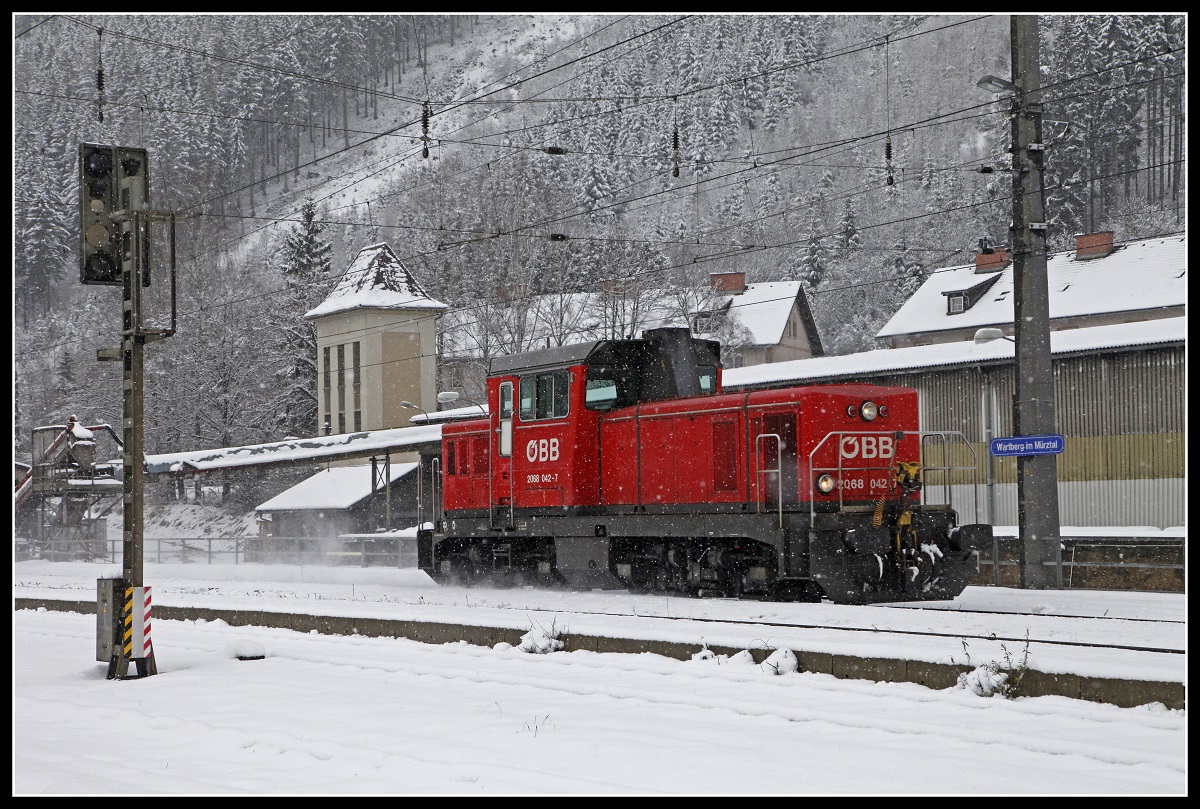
(764, 309)
(376, 279)
(868, 363)
(398, 533)
(569, 318)
(94, 483)
(336, 488)
(1141, 275)
(452, 414)
(401, 439)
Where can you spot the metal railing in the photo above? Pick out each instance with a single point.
(1154, 564)
(936, 472)
(364, 551)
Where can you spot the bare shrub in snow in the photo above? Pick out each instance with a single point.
(781, 661)
(998, 677)
(985, 681)
(539, 640)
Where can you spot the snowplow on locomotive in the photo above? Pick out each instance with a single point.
(623, 463)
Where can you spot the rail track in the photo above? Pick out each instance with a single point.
(921, 633)
(852, 663)
(1033, 614)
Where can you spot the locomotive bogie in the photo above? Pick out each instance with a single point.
(511, 560)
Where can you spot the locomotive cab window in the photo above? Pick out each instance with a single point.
(506, 402)
(708, 378)
(506, 414)
(601, 394)
(611, 386)
(544, 396)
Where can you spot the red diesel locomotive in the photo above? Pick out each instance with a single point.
(622, 463)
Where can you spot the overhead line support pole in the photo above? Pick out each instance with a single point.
(1033, 405)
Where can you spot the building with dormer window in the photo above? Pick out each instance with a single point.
(1100, 283)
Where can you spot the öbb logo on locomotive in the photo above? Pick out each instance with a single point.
(664, 481)
(867, 446)
(542, 449)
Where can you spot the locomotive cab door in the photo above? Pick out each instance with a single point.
(500, 506)
(777, 456)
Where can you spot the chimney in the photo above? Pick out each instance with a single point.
(732, 282)
(991, 259)
(619, 286)
(1093, 245)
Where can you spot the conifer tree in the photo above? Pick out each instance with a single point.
(304, 264)
(812, 266)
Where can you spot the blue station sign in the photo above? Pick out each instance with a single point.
(1028, 445)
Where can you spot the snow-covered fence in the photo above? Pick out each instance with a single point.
(1095, 558)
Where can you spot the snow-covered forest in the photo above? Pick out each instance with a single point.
(507, 156)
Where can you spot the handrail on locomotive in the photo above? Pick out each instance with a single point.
(945, 438)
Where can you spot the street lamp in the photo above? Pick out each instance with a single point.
(1033, 403)
(995, 84)
(412, 406)
(451, 396)
(984, 336)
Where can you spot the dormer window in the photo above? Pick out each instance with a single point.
(960, 300)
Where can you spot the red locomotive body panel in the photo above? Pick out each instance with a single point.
(821, 431)
(684, 457)
(591, 466)
(721, 450)
(618, 436)
(466, 475)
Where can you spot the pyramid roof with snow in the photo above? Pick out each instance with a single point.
(376, 279)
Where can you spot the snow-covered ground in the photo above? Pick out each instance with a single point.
(942, 637)
(336, 715)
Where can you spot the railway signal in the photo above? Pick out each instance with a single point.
(114, 182)
(114, 225)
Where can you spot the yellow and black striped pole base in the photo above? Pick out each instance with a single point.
(134, 644)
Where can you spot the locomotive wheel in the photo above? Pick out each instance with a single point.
(462, 572)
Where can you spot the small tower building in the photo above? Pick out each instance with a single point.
(375, 346)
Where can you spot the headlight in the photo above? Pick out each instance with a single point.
(883, 411)
(852, 411)
(825, 484)
(869, 411)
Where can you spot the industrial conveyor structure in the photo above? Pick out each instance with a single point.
(61, 502)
